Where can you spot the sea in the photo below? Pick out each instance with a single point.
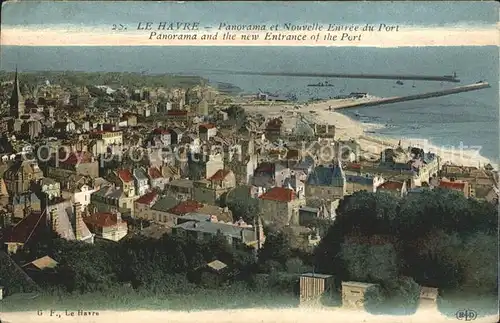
(469, 120)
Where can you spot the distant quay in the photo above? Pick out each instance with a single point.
(381, 101)
(443, 78)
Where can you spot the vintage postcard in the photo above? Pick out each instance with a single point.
(249, 161)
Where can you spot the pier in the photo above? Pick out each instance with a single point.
(443, 78)
(375, 102)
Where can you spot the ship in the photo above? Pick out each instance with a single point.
(228, 88)
(352, 95)
(268, 96)
(321, 84)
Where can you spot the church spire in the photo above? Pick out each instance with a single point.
(16, 99)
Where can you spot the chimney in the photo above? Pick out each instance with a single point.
(119, 218)
(77, 211)
(259, 232)
(54, 219)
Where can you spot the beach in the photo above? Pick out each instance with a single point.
(323, 112)
(288, 315)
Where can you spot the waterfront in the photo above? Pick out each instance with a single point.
(470, 118)
(372, 142)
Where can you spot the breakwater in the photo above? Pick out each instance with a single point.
(443, 78)
(381, 101)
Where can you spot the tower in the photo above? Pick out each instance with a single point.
(16, 99)
(339, 179)
(258, 230)
(78, 221)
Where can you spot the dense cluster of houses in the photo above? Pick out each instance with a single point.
(83, 173)
(180, 173)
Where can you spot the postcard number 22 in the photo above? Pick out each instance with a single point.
(118, 27)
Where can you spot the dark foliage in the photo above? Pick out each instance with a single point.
(438, 238)
(133, 80)
(158, 266)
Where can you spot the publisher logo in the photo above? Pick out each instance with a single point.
(466, 315)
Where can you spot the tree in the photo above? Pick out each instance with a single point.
(276, 247)
(439, 238)
(219, 248)
(370, 263)
(396, 296)
(479, 262)
(242, 206)
(367, 213)
(295, 266)
(85, 267)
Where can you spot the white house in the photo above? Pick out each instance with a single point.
(141, 181)
(82, 195)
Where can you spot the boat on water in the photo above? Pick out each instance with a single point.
(228, 87)
(352, 95)
(321, 84)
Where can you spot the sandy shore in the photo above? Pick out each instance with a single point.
(295, 315)
(346, 128)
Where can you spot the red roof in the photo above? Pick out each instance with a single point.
(125, 175)
(176, 112)
(154, 172)
(26, 228)
(74, 158)
(354, 166)
(391, 185)
(102, 219)
(279, 194)
(160, 131)
(452, 185)
(186, 207)
(220, 175)
(207, 126)
(147, 198)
